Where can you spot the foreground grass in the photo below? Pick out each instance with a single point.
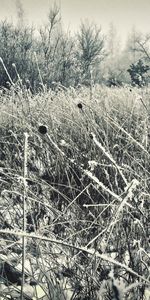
(87, 233)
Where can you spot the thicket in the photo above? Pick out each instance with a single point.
(59, 57)
(50, 56)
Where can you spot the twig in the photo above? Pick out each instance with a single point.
(109, 157)
(88, 251)
(1, 60)
(24, 210)
(39, 72)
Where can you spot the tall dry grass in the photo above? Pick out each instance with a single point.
(88, 193)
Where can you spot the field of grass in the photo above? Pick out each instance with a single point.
(75, 193)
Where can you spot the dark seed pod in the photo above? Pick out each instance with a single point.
(80, 105)
(42, 129)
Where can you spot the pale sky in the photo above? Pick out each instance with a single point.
(123, 13)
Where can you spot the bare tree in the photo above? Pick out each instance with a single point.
(49, 42)
(141, 45)
(90, 47)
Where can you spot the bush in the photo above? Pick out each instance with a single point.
(138, 73)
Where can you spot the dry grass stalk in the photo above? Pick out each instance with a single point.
(24, 210)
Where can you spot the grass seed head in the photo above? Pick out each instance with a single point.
(80, 106)
(42, 129)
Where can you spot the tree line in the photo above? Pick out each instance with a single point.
(49, 56)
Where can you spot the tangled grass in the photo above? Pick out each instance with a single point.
(87, 195)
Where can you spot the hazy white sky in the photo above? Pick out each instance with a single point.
(123, 13)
